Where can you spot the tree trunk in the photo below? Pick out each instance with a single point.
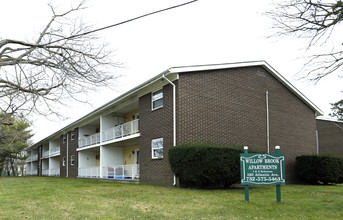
(12, 166)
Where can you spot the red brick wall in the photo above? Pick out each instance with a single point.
(330, 135)
(229, 107)
(155, 124)
(72, 146)
(63, 153)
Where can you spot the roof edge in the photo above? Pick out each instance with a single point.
(262, 63)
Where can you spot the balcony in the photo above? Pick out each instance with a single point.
(45, 172)
(121, 131)
(32, 158)
(121, 172)
(54, 172)
(111, 134)
(54, 151)
(35, 157)
(45, 154)
(90, 140)
(31, 172)
(89, 172)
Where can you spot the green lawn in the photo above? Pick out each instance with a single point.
(58, 198)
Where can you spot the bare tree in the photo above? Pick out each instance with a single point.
(60, 63)
(317, 21)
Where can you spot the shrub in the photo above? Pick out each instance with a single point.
(320, 168)
(205, 165)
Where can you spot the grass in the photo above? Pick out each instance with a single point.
(59, 198)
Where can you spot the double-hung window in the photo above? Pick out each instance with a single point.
(72, 135)
(64, 137)
(64, 161)
(72, 160)
(157, 148)
(157, 99)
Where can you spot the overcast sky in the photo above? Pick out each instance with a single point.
(204, 32)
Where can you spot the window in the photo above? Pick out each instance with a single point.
(72, 160)
(72, 135)
(157, 99)
(64, 161)
(157, 148)
(64, 137)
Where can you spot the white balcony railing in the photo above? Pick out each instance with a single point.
(27, 170)
(121, 171)
(90, 140)
(54, 172)
(45, 172)
(54, 151)
(90, 172)
(31, 172)
(45, 154)
(120, 131)
(34, 157)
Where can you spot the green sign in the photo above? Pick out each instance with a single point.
(262, 169)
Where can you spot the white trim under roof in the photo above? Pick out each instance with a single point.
(174, 71)
(325, 118)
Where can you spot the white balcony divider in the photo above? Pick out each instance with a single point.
(90, 140)
(45, 154)
(45, 172)
(54, 172)
(120, 131)
(54, 151)
(90, 172)
(121, 171)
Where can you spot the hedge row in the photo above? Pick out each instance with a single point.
(320, 168)
(205, 165)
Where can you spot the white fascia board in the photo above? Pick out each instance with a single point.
(325, 118)
(214, 66)
(264, 64)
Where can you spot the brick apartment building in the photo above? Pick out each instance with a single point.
(128, 138)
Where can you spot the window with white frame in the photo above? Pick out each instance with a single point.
(72, 160)
(64, 161)
(157, 99)
(72, 135)
(64, 137)
(157, 148)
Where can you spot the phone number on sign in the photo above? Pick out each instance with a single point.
(263, 179)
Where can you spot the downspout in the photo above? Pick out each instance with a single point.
(174, 115)
(317, 141)
(267, 107)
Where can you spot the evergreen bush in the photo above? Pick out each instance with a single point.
(320, 168)
(205, 165)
